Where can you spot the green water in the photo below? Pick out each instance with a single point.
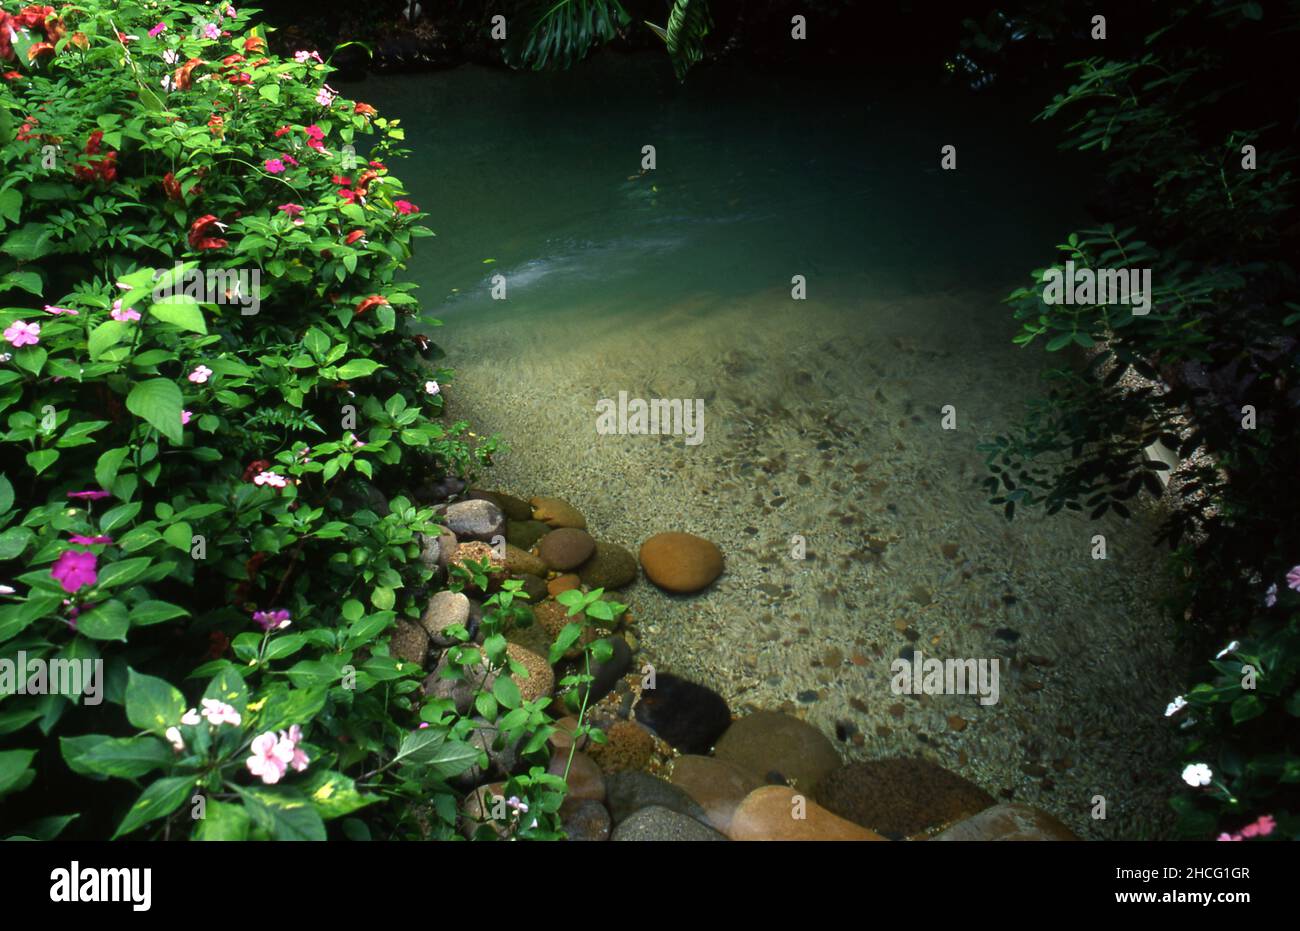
(822, 415)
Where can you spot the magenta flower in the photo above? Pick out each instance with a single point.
(266, 762)
(200, 375)
(291, 209)
(1293, 579)
(118, 313)
(83, 540)
(88, 495)
(21, 333)
(157, 30)
(186, 417)
(75, 569)
(272, 620)
(405, 207)
(211, 31)
(49, 309)
(274, 166)
(290, 160)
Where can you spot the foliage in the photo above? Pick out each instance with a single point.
(189, 491)
(1217, 365)
(688, 24)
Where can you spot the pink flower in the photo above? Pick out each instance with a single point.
(20, 334)
(186, 417)
(156, 30)
(405, 207)
(273, 479)
(88, 541)
(291, 209)
(287, 749)
(117, 313)
(303, 57)
(230, 11)
(1270, 596)
(75, 569)
(200, 375)
(60, 310)
(274, 166)
(1293, 579)
(272, 620)
(88, 495)
(325, 97)
(219, 713)
(211, 31)
(290, 160)
(315, 137)
(266, 763)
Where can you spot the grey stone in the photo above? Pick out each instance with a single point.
(444, 610)
(628, 793)
(475, 520)
(657, 823)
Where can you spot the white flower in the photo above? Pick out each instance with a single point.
(1175, 706)
(190, 718)
(174, 736)
(431, 387)
(219, 713)
(7, 589)
(1230, 648)
(1197, 774)
(170, 56)
(273, 479)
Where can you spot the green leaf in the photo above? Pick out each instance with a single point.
(506, 692)
(334, 794)
(160, 799)
(222, 821)
(155, 612)
(283, 813)
(107, 466)
(42, 459)
(123, 757)
(15, 770)
(358, 368)
(6, 494)
(108, 620)
(180, 311)
(152, 704)
(179, 535)
(105, 336)
(159, 402)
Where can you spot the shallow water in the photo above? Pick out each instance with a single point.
(822, 416)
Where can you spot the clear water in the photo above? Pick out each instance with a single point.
(822, 415)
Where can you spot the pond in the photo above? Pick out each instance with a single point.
(798, 264)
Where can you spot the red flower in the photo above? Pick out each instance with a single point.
(216, 125)
(365, 110)
(183, 79)
(92, 143)
(25, 130)
(171, 187)
(241, 78)
(404, 207)
(354, 236)
(255, 467)
(339, 179)
(198, 233)
(255, 44)
(230, 60)
(375, 300)
(12, 75)
(39, 49)
(282, 130)
(347, 194)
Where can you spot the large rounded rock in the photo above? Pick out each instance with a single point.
(1008, 822)
(557, 513)
(663, 824)
(781, 813)
(540, 680)
(534, 587)
(777, 747)
(585, 780)
(628, 748)
(524, 533)
(566, 548)
(519, 561)
(606, 675)
(900, 797)
(584, 820)
(409, 642)
(680, 562)
(610, 566)
(628, 793)
(716, 785)
(689, 716)
(475, 520)
(444, 610)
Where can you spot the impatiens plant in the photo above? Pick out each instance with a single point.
(211, 365)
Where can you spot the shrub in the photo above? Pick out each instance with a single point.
(189, 482)
(1217, 352)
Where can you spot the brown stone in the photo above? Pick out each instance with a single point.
(566, 548)
(540, 679)
(680, 562)
(557, 513)
(519, 561)
(1008, 822)
(629, 747)
(770, 813)
(901, 796)
(718, 786)
(409, 642)
(563, 583)
(770, 742)
(585, 779)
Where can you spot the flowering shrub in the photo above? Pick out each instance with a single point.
(209, 357)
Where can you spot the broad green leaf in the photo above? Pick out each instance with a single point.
(158, 800)
(159, 402)
(152, 704)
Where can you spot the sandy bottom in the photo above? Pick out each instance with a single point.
(822, 420)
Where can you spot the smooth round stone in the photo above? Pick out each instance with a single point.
(663, 824)
(445, 609)
(689, 716)
(680, 562)
(628, 793)
(519, 561)
(476, 810)
(534, 587)
(409, 643)
(585, 778)
(524, 533)
(540, 680)
(562, 739)
(767, 741)
(716, 785)
(475, 520)
(514, 508)
(1008, 822)
(566, 548)
(557, 513)
(781, 813)
(562, 583)
(900, 797)
(584, 820)
(503, 757)
(610, 566)
(459, 691)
